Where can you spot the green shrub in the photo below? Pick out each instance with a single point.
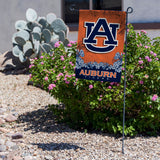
(99, 105)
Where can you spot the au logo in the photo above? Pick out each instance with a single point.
(101, 29)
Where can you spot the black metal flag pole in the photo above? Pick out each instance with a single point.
(129, 10)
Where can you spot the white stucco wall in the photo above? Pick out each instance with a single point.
(143, 10)
(13, 10)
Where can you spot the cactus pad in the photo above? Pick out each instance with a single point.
(37, 35)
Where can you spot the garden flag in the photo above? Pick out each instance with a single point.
(100, 45)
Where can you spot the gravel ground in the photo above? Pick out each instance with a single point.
(44, 139)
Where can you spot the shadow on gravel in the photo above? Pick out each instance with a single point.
(57, 146)
(42, 120)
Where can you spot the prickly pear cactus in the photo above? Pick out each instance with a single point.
(37, 35)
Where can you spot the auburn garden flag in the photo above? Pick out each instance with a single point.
(100, 45)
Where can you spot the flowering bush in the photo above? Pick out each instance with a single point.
(99, 105)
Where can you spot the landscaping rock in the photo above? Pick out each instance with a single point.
(2, 148)
(12, 156)
(17, 136)
(10, 144)
(2, 141)
(4, 130)
(28, 158)
(10, 118)
(2, 121)
(2, 110)
(48, 157)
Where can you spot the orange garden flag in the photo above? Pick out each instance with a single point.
(100, 45)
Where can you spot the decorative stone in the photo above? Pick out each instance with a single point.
(2, 148)
(2, 141)
(17, 158)
(9, 134)
(17, 136)
(10, 144)
(2, 121)
(12, 156)
(28, 158)
(2, 110)
(15, 147)
(10, 118)
(4, 130)
(48, 157)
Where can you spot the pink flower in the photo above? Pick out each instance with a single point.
(109, 87)
(71, 63)
(57, 44)
(154, 98)
(69, 45)
(42, 63)
(32, 65)
(64, 67)
(143, 31)
(131, 76)
(60, 74)
(65, 79)
(146, 47)
(140, 58)
(155, 54)
(141, 82)
(41, 57)
(122, 69)
(90, 86)
(149, 60)
(146, 57)
(35, 58)
(146, 76)
(100, 96)
(112, 83)
(51, 86)
(67, 82)
(73, 42)
(151, 52)
(73, 75)
(46, 78)
(118, 84)
(140, 62)
(100, 99)
(53, 58)
(62, 58)
(157, 59)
